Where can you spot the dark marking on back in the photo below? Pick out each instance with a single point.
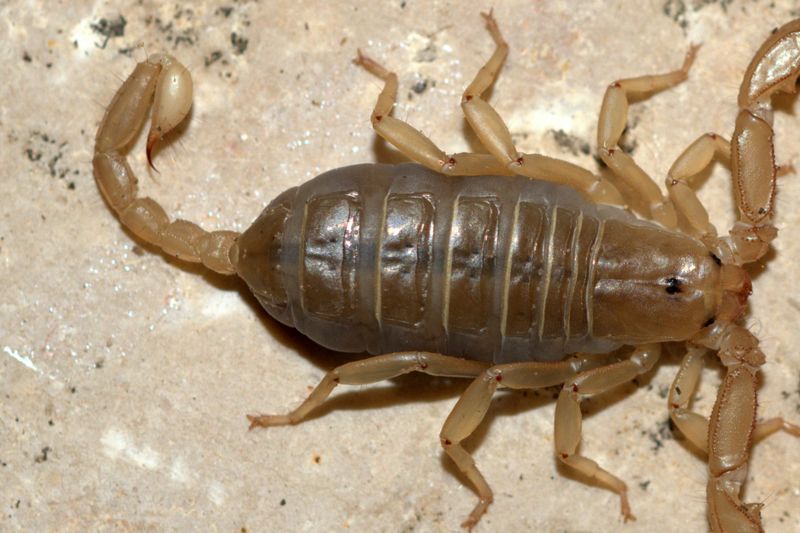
(673, 285)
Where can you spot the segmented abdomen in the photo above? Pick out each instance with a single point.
(383, 258)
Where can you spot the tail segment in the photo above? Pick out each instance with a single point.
(164, 81)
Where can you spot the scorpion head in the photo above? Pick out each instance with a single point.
(734, 343)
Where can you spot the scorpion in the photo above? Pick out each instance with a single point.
(514, 270)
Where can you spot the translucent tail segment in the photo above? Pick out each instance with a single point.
(165, 82)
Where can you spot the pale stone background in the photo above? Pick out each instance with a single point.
(125, 375)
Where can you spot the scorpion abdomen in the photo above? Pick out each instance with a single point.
(384, 258)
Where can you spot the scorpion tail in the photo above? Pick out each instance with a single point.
(163, 80)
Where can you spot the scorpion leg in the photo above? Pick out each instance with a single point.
(493, 133)
(568, 415)
(697, 156)
(614, 115)
(693, 425)
(412, 142)
(163, 80)
(495, 136)
(471, 408)
(372, 370)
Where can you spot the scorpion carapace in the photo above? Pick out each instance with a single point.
(516, 270)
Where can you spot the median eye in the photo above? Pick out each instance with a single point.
(673, 285)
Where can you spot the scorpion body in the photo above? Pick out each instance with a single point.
(492, 268)
(504, 267)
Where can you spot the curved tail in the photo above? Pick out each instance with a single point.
(164, 81)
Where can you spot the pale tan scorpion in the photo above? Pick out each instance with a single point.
(522, 283)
